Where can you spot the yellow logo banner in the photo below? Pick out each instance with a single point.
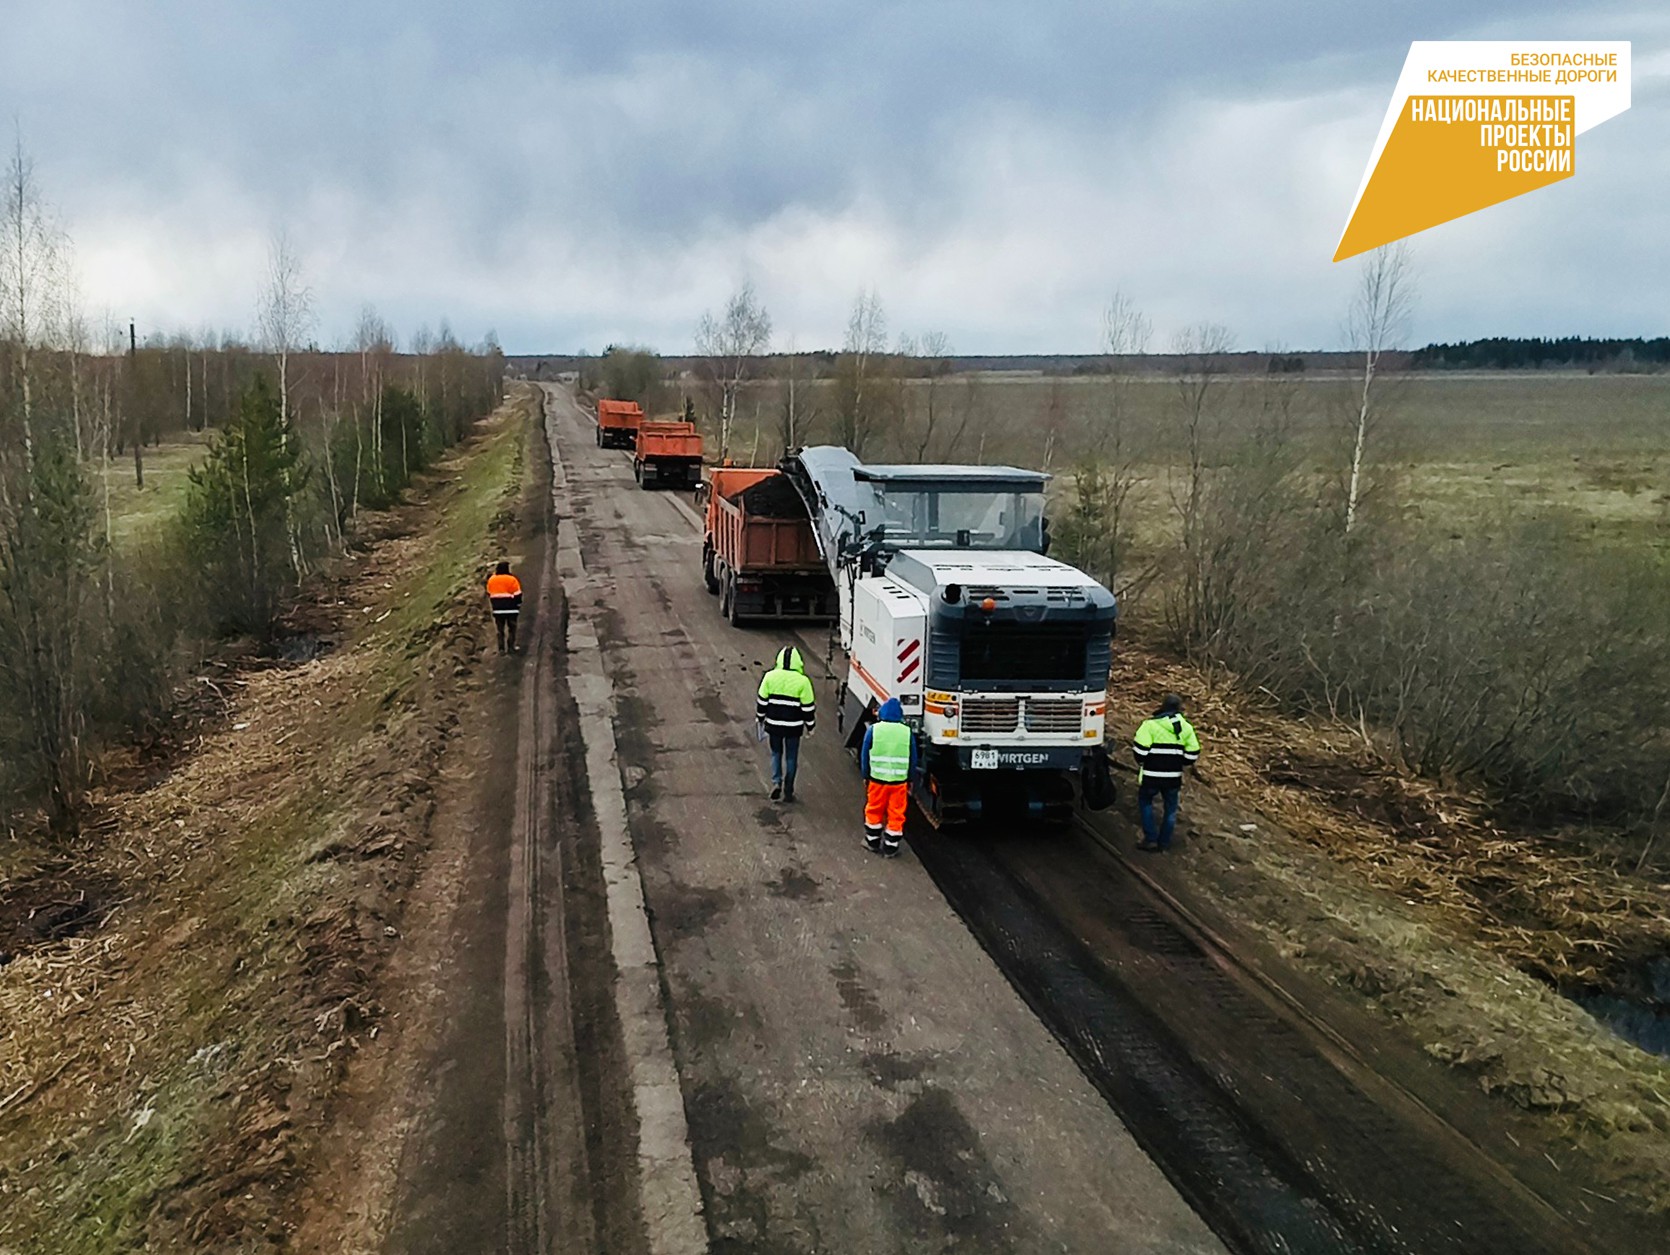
(1473, 124)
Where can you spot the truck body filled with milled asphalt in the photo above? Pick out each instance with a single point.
(759, 556)
(669, 454)
(617, 424)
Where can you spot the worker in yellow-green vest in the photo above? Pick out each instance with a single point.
(1165, 745)
(784, 712)
(888, 759)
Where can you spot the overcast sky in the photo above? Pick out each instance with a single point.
(570, 175)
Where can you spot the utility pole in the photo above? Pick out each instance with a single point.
(133, 403)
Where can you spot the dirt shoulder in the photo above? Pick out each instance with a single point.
(172, 1061)
(495, 1113)
(1430, 924)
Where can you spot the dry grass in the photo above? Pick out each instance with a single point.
(1548, 906)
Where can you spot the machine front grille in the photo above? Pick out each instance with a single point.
(1046, 715)
(990, 714)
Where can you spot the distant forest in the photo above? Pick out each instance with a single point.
(1567, 352)
(1497, 353)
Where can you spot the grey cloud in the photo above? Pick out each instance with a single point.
(584, 173)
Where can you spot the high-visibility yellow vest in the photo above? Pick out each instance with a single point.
(780, 682)
(1164, 746)
(890, 752)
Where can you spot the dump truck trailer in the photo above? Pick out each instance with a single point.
(758, 552)
(998, 653)
(669, 454)
(617, 424)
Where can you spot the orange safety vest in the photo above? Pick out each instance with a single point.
(503, 585)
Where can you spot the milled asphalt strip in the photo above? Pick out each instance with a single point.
(670, 1199)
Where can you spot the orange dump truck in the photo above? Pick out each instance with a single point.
(617, 424)
(669, 454)
(758, 551)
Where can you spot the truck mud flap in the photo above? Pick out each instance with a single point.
(851, 718)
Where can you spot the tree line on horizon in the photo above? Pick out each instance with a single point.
(1593, 354)
(1538, 353)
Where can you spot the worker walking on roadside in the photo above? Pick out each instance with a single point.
(785, 711)
(1165, 744)
(888, 759)
(504, 596)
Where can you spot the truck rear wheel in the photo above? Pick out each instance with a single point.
(1096, 780)
(727, 603)
(709, 579)
(599, 437)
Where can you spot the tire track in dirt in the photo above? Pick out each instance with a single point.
(516, 1129)
(547, 1174)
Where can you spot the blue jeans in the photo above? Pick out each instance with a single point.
(1145, 808)
(785, 757)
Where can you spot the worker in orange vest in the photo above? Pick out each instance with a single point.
(504, 595)
(888, 759)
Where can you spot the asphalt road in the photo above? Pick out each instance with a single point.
(856, 1074)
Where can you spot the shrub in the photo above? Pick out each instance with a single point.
(1516, 656)
(239, 514)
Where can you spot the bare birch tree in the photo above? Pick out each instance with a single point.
(422, 345)
(286, 318)
(797, 407)
(374, 344)
(31, 253)
(1377, 320)
(936, 362)
(1053, 417)
(77, 345)
(114, 342)
(286, 311)
(1126, 331)
(730, 343)
(1201, 347)
(856, 370)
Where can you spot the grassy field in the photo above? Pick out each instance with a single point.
(1457, 450)
(1594, 449)
(134, 511)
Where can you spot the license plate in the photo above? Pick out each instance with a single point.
(982, 759)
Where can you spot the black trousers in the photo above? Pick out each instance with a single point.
(506, 625)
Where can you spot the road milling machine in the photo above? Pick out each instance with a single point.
(998, 653)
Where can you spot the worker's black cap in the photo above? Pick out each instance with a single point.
(1171, 704)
